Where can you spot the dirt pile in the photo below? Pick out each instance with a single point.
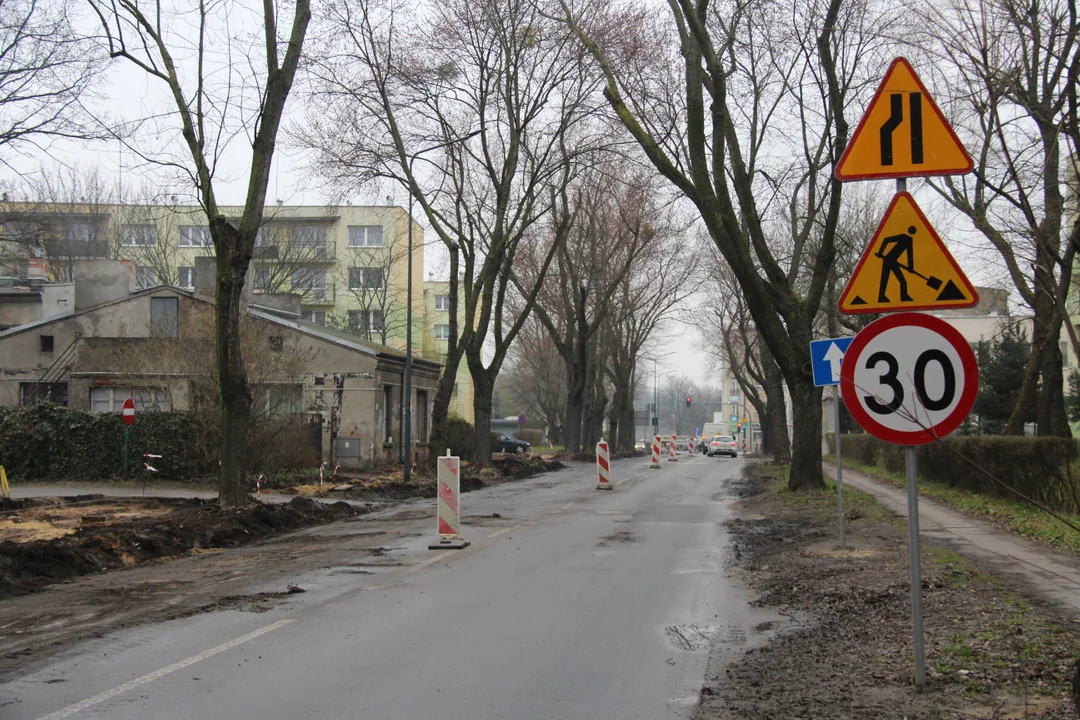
(393, 487)
(114, 533)
(848, 652)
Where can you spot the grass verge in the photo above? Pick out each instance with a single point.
(1017, 515)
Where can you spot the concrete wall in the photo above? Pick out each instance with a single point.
(101, 281)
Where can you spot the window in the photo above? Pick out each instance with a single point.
(309, 236)
(84, 240)
(277, 343)
(421, 416)
(262, 237)
(195, 236)
(262, 278)
(365, 236)
(365, 322)
(442, 332)
(311, 282)
(46, 343)
(365, 278)
(163, 316)
(145, 277)
(32, 393)
(186, 277)
(284, 400)
(147, 399)
(316, 316)
(107, 399)
(442, 302)
(138, 236)
(734, 387)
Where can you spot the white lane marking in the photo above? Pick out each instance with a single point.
(497, 533)
(567, 506)
(102, 697)
(430, 561)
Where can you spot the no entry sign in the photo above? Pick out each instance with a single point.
(909, 378)
(128, 412)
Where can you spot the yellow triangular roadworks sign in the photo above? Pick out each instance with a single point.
(902, 134)
(906, 267)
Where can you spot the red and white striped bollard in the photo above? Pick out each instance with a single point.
(671, 450)
(603, 466)
(655, 453)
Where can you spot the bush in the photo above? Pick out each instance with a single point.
(532, 436)
(50, 442)
(1040, 468)
(459, 438)
(862, 448)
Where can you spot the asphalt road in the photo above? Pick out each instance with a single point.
(591, 604)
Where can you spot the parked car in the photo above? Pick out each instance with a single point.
(682, 444)
(506, 444)
(723, 445)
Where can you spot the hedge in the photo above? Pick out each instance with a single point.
(1039, 467)
(51, 442)
(47, 442)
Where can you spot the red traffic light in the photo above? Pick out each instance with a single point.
(687, 401)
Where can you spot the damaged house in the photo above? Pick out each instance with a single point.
(93, 343)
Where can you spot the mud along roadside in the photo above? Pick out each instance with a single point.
(846, 652)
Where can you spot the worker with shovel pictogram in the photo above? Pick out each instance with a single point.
(891, 265)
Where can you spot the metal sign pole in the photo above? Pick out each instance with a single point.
(839, 467)
(916, 575)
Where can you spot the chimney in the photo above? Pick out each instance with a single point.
(102, 281)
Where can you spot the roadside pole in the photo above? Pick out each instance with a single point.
(127, 413)
(916, 574)
(839, 465)
(127, 434)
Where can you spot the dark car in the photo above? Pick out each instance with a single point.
(510, 445)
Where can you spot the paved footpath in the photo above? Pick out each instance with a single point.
(1053, 575)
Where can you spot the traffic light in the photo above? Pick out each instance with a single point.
(687, 401)
(738, 428)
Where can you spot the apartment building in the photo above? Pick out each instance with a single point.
(436, 336)
(348, 263)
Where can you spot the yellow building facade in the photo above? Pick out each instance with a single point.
(436, 339)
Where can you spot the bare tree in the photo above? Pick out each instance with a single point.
(535, 378)
(493, 97)
(1012, 67)
(60, 215)
(47, 70)
(210, 112)
(606, 223)
(757, 108)
(648, 298)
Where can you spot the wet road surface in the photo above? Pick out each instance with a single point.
(576, 603)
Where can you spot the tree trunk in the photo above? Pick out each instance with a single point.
(235, 390)
(483, 389)
(805, 471)
(440, 413)
(1051, 417)
(777, 410)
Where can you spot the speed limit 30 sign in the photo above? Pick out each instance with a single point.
(909, 378)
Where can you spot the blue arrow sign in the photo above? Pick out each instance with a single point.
(825, 355)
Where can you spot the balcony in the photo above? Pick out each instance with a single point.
(295, 254)
(317, 295)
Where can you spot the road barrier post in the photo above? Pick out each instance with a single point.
(655, 453)
(448, 511)
(603, 466)
(671, 450)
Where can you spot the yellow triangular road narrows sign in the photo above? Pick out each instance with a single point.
(906, 267)
(902, 134)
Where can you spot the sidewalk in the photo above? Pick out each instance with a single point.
(1052, 575)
